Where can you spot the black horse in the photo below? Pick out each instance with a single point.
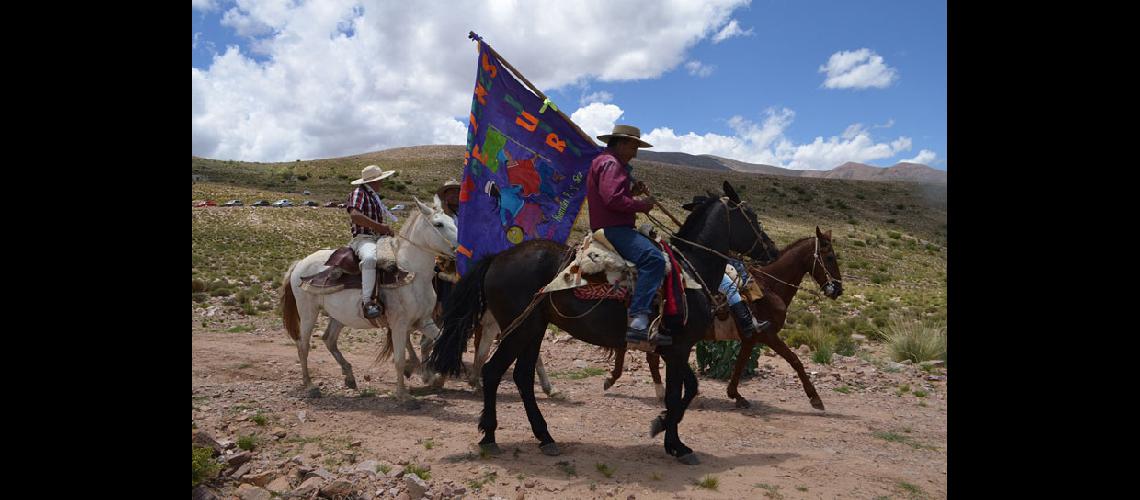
(506, 283)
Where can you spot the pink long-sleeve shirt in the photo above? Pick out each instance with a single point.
(608, 193)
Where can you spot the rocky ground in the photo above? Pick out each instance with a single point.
(883, 434)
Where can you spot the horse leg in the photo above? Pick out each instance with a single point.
(654, 361)
(492, 374)
(741, 361)
(674, 410)
(413, 360)
(308, 313)
(430, 333)
(331, 335)
(524, 380)
(547, 388)
(619, 362)
(399, 339)
(780, 347)
(485, 334)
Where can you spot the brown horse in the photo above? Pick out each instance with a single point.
(780, 281)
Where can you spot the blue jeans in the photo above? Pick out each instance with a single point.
(728, 288)
(636, 248)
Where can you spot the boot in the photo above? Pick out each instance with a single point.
(745, 322)
(373, 309)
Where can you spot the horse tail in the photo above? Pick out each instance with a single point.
(289, 306)
(462, 312)
(386, 352)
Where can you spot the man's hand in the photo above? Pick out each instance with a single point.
(647, 198)
(639, 188)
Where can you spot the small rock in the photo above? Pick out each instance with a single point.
(308, 487)
(240, 471)
(301, 415)
(204, 493)
(933, 362)
(416, 486)
(338, 489)
(896, 366)
(279, 485)
(355, 444)
(403, 496)
(936, 378)
(239, 458)
(349, 456)
(907, 362)
(367, 467)
(459, 490)
(203, 440)
(631, 497)
(322, 473)
(579, 363)
(803, 350)
(249, 492)
(529, 483)
(260, 479)
(519, 495)
(278, 433)
(858, 338)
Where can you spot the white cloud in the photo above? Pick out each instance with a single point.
(596, 118)
(194, 44)
(925, 157)
(204, 5)
(859, 69)
(342, 77)
(599, 96)
(767, 143)
(697, 68)
(730, 30)
(890, 123)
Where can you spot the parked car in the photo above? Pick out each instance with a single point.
(306, 192)
(233, 203)
(311, 203)
(207, 203)
(331, 204)
(283, 203)
(261, 203)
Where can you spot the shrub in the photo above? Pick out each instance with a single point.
(204, 466)
(717, 359)
(915, 340)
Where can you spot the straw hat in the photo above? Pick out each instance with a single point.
(373, 173)
(626, 131)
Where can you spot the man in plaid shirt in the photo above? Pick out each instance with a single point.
(365, 211)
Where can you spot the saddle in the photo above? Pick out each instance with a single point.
(598, 271)
(343, 272)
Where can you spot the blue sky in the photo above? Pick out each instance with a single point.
(274, 81)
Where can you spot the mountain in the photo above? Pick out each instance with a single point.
(904, 172)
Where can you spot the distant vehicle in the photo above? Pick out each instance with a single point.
(311, 203)
(207, 203)
(283, 203)
(340, 205)
(233, 203)
(306, 192)
(261, 203)
(331, 204)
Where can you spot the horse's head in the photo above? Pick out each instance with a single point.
(746, 235)
(441, 234)
(825, 269)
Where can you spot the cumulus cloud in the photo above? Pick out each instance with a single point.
(697, 68)
(858, 69)
(597, 118)
(204, 5)
(599, 96)
(342, 77)
(730, 30)
(925, 157)
(767, 143)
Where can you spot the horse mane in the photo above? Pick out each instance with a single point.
(795, 243)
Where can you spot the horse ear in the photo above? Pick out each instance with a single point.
(731, 193)
(817, 232)
(425, 209)
(437, 202)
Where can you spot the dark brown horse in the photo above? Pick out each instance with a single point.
(780, 281)
(506, 283)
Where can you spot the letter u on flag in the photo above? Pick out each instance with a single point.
(526, 164)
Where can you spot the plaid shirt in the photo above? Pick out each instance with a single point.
(364, 199)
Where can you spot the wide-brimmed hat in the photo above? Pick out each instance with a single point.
(373, 173)
(626, 131)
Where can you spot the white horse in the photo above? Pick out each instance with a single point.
(427, 233)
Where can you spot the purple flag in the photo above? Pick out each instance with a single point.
(525, 170)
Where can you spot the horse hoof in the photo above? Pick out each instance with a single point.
(350, 382)
(550, 449)
(817, 404)
(690, 459)
(743, 403)
(313, 392)
(490, 449)
(608, 383)
(549, 391)
(656, 426)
